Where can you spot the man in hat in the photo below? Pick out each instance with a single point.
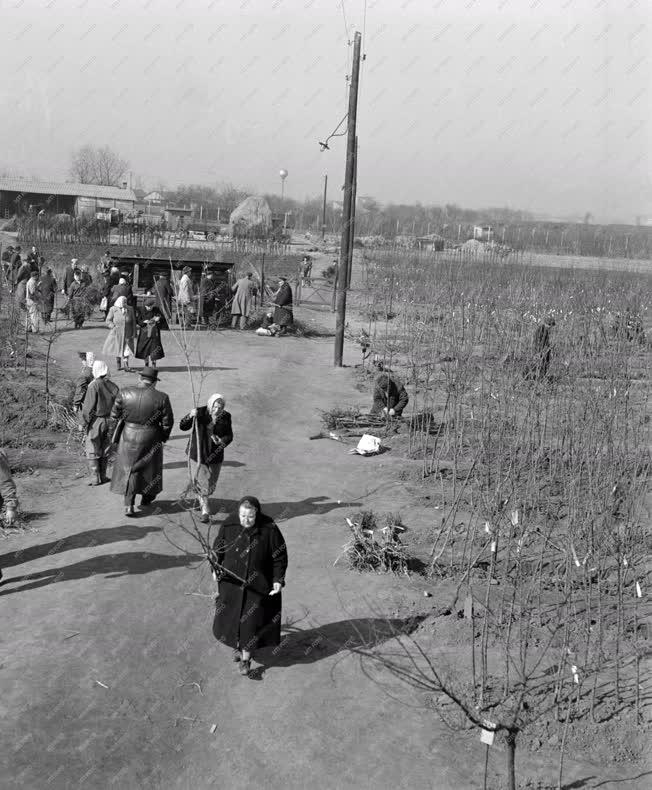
(244, 290)
(184, 296)
(96, 415)
(283, 315)
(143, 421)
(69, 276)
(83, 379)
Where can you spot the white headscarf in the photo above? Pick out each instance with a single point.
(121, 302)
(212, 400)
(90, 359)
(99, 369)
(122, 281)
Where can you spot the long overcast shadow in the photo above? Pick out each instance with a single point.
(315, 644)
(80, 540)
(281, 511)
(111, 566)
(184, 369)
(184, 464)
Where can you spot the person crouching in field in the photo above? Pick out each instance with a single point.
(211, 433)
(390, 396)
(267, 326)
(96, 414)
(251, 564)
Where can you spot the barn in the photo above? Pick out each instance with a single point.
(24, 196)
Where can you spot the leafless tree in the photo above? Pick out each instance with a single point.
(103, 166)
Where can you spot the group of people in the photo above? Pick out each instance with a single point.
(34, 289)
(274, 323)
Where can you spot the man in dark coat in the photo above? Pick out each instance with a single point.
(206, 298)
(34, 260)
(48, 289)
(253, 557)
(390, 396)
(163, 293)
(283, 306)
(69, 276)
(143, 421)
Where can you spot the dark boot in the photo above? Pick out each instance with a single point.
(119, 362)
(94, 468)
(103, 466)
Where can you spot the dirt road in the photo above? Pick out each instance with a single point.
(110, 674)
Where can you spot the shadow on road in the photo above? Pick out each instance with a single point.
(314, 644)
(82, 540)
(184, 464)
(184, 369)
(112, 566)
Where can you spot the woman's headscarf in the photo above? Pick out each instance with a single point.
(252, 501)
(212, 400)
(122, 281)
(121, 302)
(99, 369)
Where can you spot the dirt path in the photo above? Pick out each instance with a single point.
(110, 674)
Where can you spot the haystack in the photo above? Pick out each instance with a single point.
(253, 212)
(473, 246)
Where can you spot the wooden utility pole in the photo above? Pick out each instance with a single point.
(323, 209)
(349, 210)
(352, 218)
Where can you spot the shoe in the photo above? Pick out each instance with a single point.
(96, 477)
(130, 511)
(245, 667)
(204, 518)
(237, 655)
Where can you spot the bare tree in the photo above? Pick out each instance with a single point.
(102, 166)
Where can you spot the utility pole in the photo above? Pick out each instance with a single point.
(349, 209)
(353, 205)
(323, 209)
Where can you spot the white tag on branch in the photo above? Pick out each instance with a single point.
(487, 528)
(639, 592)
(577, 562)
(514, 518)
(625, 562)
(493, 546)
(576, 677)
(487, 733)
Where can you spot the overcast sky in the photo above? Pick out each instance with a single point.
(534, 104)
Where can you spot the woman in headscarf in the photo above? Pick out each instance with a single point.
(211, 433)
(120, 341)
(250, 559)
(149, 346)
(96, 414)
(78, 302)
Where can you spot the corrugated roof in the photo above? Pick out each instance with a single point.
(60, 188)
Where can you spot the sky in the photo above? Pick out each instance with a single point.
(535, 105)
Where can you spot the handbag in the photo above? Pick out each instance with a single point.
(117, 432)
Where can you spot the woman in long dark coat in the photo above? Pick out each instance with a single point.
(149, 346)
(283, 315)
(48, 288)
(252, 552)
